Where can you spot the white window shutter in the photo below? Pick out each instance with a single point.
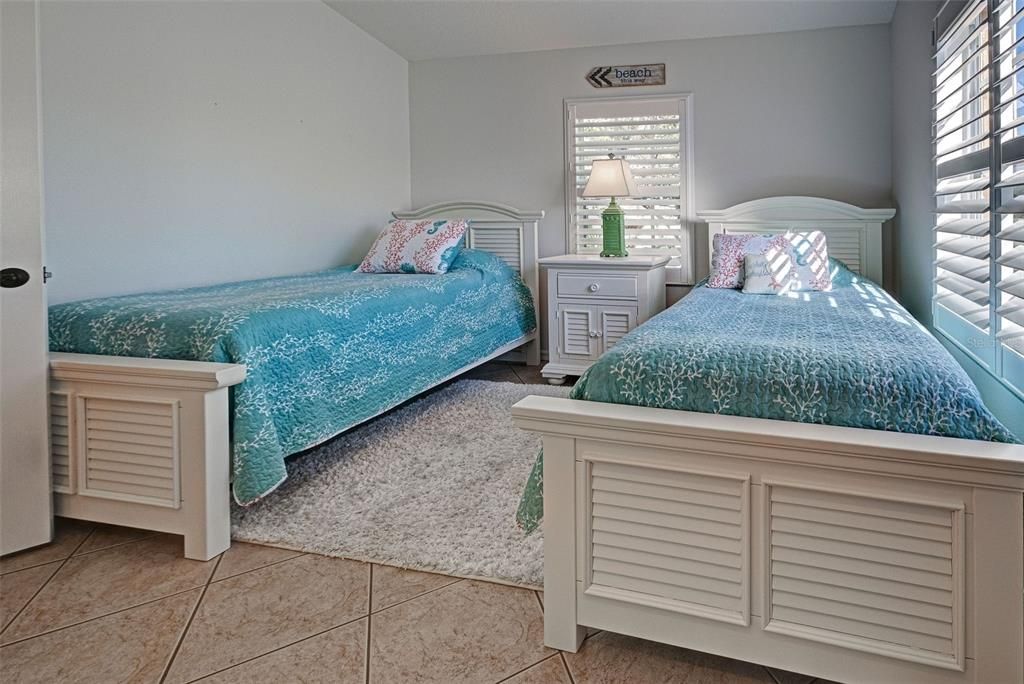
(962, 169)
(979, 169)
(1008, 239)
(650, 134)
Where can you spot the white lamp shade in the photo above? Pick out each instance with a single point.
(610, 178)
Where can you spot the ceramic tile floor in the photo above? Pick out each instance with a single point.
(109, 604)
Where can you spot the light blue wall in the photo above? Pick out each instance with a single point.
(912, 183)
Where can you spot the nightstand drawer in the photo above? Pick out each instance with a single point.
(597, 286)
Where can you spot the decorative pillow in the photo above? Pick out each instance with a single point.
(762, 275)
(807, 263)
(810, 256)
(730, 250)
(416, 247)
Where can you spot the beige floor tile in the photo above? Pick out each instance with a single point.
(786, 677)
(530, 374)
(68, 534)
(252, 614)
(17, 588)
(614, 658)
(507, 376)
(495, 372)
(130, 646)
(242, 557)
(489, 367)
(105, 581)
(335, 657)
(467, 632)
(105, 536)
(393, 585)
(550, 671)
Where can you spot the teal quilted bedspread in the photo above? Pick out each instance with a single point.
(852, 357)
(325, 351)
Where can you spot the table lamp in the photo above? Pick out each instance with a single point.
(612, 178)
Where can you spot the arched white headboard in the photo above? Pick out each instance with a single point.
(854, 234)
(500, 229)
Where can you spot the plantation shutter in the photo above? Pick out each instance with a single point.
(979, 183)
(1009, 236)
(962, 169)
(650, 135)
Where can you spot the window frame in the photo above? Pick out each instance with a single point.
(684, 273)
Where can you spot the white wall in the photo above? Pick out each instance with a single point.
(912, 188)
(789, 113)
(912, 173)
(188, 143)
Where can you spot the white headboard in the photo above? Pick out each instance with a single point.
(854, 235)
(498, 228)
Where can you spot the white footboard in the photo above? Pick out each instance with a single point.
(854, 555)
(144, 443)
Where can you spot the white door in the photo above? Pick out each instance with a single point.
(25, 504)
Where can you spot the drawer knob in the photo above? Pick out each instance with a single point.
(593, 287)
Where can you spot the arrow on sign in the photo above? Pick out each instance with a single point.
(598, 77)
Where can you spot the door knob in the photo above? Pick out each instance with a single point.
(13, 277)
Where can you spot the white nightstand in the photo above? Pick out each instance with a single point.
(593, 302)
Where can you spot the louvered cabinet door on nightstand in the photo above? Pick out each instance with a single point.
(593, 302)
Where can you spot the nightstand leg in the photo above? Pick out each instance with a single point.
(557, 380)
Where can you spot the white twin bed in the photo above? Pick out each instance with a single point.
(840, 552)
(144, 442)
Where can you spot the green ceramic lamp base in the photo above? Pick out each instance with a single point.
(613, 229)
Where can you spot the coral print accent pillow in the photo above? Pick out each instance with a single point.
(799, 260)
(416, 247)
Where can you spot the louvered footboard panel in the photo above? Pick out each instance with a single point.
(129, 450)
(60, 443)
(868, 573)
(670, 538)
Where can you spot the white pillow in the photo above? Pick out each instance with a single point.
(809, 251)
(416, 247)
(764, 275)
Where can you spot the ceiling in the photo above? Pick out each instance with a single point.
(432, 29)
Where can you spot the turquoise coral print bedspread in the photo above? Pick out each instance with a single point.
(325, 351)
(851, 357)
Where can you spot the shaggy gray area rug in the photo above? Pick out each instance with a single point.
(432, 486)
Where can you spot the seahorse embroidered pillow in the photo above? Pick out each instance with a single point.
(762, 275)
(809, 251)
(730, 250)
(416, 247)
